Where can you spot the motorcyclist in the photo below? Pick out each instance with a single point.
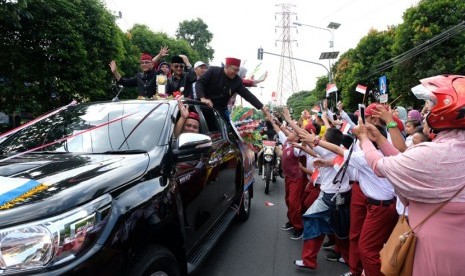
(272, 136)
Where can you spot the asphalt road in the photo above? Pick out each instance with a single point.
(259, 246)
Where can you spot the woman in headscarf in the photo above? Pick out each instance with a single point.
(430, 174)
(401, 113)
(415, 115)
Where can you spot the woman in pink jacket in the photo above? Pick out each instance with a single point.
(430, 173)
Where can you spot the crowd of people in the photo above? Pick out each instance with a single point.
(357, 180)
(214, 85)
(346, 180)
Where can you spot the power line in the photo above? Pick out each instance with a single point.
(423, 47)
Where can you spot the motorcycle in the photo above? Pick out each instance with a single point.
(271, 163)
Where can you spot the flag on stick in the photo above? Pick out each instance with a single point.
(316, 108)
(361, 89)
(330, 87)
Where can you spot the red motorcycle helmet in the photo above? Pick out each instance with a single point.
(446, 95)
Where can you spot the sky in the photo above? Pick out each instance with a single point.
(240, 27)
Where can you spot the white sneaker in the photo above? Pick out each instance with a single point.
(300, 264)
(347, 274)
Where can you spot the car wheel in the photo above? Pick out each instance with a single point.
(244, 209)
(155, 260)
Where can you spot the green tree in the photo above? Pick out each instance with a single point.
(196, 33)
(12, 12)
(421, 24)
(307, 99)
(58, 53)
(358, 66)
(150, 42)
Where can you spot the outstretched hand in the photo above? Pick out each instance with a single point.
(207, 101)
(286, 113)
(266, 112)
(366, 131)
(112, 65)
(183, 109)
(383, 113)
(164, 51)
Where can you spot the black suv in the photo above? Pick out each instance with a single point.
(105, 189)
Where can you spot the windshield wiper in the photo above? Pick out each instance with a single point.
(135, 151)
(49, 152)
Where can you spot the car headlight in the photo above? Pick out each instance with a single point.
(54, 240)
(268, 158)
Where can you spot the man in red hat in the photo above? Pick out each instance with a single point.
(189, 122)
(219, 84)
(145, 81)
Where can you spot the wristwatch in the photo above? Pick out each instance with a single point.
(392, 124)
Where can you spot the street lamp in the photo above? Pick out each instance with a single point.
(261, 52)
(326, 55)
(331, 27)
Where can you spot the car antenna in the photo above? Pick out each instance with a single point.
(116, 99)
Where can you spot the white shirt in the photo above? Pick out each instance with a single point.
(371, 185)
(327, 174)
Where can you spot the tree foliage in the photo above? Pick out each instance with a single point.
(46, 63)
(196, 33)
(378, 54)
(57, 50)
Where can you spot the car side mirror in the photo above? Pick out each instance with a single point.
(191, 143)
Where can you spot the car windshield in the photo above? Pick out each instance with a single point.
(93, 128)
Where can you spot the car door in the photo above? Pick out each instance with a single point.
(225, 155)
(197, 177)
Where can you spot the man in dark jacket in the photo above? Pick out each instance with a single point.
(145, 81)
(219, 84)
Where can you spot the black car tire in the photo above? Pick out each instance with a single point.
(155, 260)
(244, 209)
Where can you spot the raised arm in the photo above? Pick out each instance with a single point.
(184, 115)
(164, 51)
(396, 136)
(114, 70)
(287, 117)
(275, 127)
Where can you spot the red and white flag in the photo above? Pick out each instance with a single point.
(360, 88)
(330, 88)
(345, 127)
(316, 108)
(338, 161)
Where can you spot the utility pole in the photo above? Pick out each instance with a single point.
(287, 77)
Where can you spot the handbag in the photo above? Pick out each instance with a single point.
(398, 253)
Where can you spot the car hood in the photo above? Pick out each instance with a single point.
(43, 185)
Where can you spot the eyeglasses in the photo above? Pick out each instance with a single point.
(176, 66)
(234, 69)
(145, 62)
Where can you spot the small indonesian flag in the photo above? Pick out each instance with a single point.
(345, 127)
(315, 174)
(330, 88)
(316, 108)
(338, 161)
(360, 88)
(267, 203)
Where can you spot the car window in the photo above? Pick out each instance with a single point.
(213, 125)
(93, 128)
